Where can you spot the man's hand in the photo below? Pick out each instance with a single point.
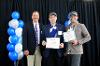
(43, 43)
(26, 52)
(61, 45)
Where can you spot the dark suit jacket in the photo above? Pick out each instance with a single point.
(46, 34)
(29, 39)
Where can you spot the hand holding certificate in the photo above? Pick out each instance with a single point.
(53, 43)
(69, 35)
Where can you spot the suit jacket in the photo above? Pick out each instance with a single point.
(46, 34)
(83, 36)
(29, 39)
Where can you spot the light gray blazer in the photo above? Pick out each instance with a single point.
(82, 36)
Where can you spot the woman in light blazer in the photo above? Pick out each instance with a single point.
(74, 48)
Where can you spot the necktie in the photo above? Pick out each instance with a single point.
(36, 32)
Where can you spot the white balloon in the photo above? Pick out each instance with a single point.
(18, 48)
(18, 32)
(14, 23)
(9, 39)
(20, 40)
(20, 55)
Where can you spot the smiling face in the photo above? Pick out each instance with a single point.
(35, 16)
(74, 18)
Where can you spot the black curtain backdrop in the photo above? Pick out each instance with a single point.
(89, 14)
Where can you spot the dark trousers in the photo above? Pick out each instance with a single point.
(52, 58)
(72, 60)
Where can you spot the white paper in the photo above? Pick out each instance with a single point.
(69, 35)
(53, 43)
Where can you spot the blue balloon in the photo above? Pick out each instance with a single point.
(11, 31)
(13, 39)
(15, 15)
(13, 56)
(67, 23)
(21, 23)
(10, 47)
(14, 44)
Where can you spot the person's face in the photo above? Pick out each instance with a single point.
(74, 18)
(35, 16)
(52, 19)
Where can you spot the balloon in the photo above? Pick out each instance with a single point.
(13, 44)
(11, 31)
(21, 23)
(10, 47)
(67, 23)
(13, 56)
(18, 32)
(20, 40)
(13, 39)
(18, 48)
(15, 15)
(14, 23)
(20, 55)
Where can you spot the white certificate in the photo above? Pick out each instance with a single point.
(53, 43)
(69, 35)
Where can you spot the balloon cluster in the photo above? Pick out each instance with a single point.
(15, 37)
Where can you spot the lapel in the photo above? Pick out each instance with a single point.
(48, 30)
(40, 27)
(77, 30)
(57, 27)
(32, 26)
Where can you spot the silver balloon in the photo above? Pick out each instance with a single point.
(14, 23)
(18, 48)
(20, 55)
(18, 32)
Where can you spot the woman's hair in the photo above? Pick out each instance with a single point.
(72, 13)
(52, 13)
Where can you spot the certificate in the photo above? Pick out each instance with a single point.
(69, 35)
(53, 43)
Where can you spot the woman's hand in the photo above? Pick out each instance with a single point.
(44, 43)
(61, 45)
(74, 42)
(26, 52)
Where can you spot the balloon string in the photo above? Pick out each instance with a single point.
(16, 63)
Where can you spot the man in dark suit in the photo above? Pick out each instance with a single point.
(32, 37)
(53, 30)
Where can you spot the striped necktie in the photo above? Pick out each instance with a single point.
(36, 32)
